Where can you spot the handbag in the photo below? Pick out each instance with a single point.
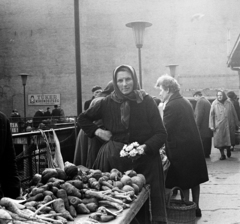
(180, 211)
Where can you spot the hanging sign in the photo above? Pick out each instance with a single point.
(43, 99)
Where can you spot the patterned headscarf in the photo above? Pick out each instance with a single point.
(136, 95)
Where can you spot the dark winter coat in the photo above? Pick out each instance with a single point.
(9, 180)
(184, 147)
(202, 111)
(145, 127)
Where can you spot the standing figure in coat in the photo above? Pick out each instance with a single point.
(202, 111)
(10, 185)
(223, 122)
(233, 98)
(130, 115)
(184, 149)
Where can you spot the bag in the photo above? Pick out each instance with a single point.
(58, 156)
(180, 211)
(54, 160)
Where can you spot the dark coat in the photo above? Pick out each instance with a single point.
(202, 111)
(184, 147)
(236, 106)
(87, 103)
(9, 180)
(56, 112)
(145, 127)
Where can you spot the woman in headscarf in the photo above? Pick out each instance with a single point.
(223, 121)
(184, 148)
(130, 115)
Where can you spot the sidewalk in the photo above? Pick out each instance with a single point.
(220, 196)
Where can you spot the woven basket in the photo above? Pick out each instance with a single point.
(180, 211)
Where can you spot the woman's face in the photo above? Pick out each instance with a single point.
(125, 82)
(164, 94)
(219, 96)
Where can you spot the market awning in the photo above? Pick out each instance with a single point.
(234, 57)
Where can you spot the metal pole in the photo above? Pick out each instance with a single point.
(140, 67)
(24, 100)
(78, 57)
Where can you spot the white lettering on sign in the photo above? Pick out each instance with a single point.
(43, 99)
(14, 127)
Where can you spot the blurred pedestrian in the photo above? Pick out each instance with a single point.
(10, 185)
(56, 113)
(38, 118)
(233, 98)
(202, 111)
(47, 113)
(184, 149)
(95, 92)
(223, 122)
(15, 116)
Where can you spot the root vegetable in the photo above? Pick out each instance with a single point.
(104, 181)
(89, 200)
(37, 197)
(72, 211)
(5, 217)
(101, 196)
(71, 190)
(74, 200)
(92, 207)
(111, 205)
(62, 219)
(63, 195)
(82, 209)
(76, 183)
(59, 206)
(94, 183)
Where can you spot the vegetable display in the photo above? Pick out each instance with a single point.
(58, 196)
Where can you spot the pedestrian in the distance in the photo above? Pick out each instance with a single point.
(202, 111)
(184, 149)
(47, 113)
(96, 90)
(223, 122)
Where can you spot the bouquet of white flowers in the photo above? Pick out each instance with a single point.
(131, 150)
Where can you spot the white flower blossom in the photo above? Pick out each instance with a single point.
(123, 153)
(129, 148)
(133, 153)
(135, 144)
(124, 147)
(140, 150)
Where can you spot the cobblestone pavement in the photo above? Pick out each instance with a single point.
(220, 196)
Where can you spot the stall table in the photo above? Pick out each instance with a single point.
(127, 215)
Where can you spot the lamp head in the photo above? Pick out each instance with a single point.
(138, 28)
(172, 69)
(24, 78)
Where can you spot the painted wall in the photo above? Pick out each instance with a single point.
(37, 37)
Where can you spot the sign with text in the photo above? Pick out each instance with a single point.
(43, 99)
(14, 127)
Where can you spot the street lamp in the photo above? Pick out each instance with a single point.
(172, 68)
(24, 81)
(138, 30)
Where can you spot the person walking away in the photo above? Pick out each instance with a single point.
(184, 149)
(233, 98)
(96, 90)
(10, 185)
(202, 111)
(56, 113)
(130, 115)
(38, 118)
(47, 113)
(223, 122)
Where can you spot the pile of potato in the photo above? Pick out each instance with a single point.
(58, 196)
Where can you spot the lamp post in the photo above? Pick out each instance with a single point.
(24, 81)
(172, 68)
(138, 28)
